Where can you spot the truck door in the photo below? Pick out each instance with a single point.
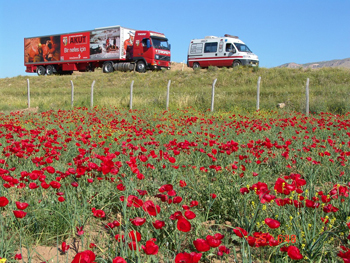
(229, 54)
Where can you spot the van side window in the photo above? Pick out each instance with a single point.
(229, 47)
(210, 47)
(196, 48)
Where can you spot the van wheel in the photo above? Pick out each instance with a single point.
(236, 63)
(196, 65)
(107, 67)
(49, 70)
(40, 71)
(141, 67)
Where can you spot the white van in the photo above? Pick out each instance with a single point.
(227, 51)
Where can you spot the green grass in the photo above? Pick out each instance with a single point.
(235, 88)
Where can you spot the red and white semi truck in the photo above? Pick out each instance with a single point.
(109, 48)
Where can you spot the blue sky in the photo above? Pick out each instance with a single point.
(278, 31)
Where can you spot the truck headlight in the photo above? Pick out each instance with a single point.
(156, 57)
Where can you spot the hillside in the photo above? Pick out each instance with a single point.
(235, 89)
(342, 63)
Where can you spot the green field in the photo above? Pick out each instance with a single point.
(235, 89)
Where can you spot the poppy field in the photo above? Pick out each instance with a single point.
(112, 185)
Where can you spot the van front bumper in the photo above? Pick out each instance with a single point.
(250, 62)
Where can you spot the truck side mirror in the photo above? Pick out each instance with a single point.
(148, 43)
(169, 46)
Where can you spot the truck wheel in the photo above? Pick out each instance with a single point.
(236, 63)
(195, 65)
(49, 70)
(107, 67)
(141, 67)
(40, 71)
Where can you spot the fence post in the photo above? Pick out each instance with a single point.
(28, 92)
(258, 95)
(167, 95)
(212, 95)
(72, 93)
(92, 95)
(131, 88)
(307, 97)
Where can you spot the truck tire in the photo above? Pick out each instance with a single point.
(141, 67)
(236, 63)
(108, 67)
(40, 71)
(49, 70)
(195, 65)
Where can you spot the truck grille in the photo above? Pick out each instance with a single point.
(164, 58)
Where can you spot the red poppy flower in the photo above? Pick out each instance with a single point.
(119, 238)
(212, 241)
(64, 247)
(19, 214)
(50, 169)
(99, 213)
(134, 201)
(3, 201)
(135, 236)
(240, 231)
(177, 199)
(183, 258)
(272, 223)
(201, 245)
(158, 224)
(213, 196)
(189, 214)
(150, 248)
(183, 225)
(119, 260)
(18, 256)
(193, 203)
(80, 230)
(151, 208)
(33, 186)
(134, 246)
(294, 253)
(138, 221)
(182, 183)
(86, 256)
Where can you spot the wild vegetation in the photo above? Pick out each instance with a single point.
(235, 88)
(108, 184)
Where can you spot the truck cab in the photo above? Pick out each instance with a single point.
(227, 51)
(150, 51)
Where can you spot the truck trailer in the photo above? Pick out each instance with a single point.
(110, 48)
(227, 51)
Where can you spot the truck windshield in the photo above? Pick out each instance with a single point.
(160, 43)
(242, 48)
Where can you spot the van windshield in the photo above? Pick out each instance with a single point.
(242, 48)
(160, 43)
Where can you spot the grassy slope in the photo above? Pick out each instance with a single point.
(235, 88)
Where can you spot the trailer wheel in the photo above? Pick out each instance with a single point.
(236, 63)
(107, 67)
(195, 65)
(49, 70)
(141, 67)
(40, 71)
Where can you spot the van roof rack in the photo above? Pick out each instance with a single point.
(210, 37)
(227, 35)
